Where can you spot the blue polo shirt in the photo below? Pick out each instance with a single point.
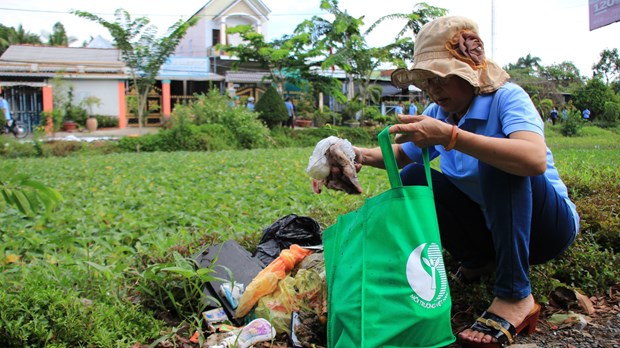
(498, 114)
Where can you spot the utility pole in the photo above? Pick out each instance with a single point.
(493, 29)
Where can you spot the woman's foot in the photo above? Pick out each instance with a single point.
(514, 311)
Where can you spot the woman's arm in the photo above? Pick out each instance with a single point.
(374, 158)
(522, 153)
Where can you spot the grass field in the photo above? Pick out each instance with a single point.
(124, 213)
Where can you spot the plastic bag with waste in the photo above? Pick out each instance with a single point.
(267, 280)
(289, 230)
(332, 164)
(304, 291)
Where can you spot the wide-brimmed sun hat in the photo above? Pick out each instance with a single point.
(447, 46)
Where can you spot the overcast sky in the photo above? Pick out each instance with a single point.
(553, 30)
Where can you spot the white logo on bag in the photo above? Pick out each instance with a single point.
(426, 276)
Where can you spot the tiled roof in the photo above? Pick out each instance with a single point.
(247, 77)
(45, 61)
(65, 55)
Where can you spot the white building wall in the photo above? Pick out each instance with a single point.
(195, 42)
(105, 90)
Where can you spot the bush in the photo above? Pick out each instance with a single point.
(12, 148)
(218, 137)
(146, 142)
(106, 121)
(609, 117)
(325, 117)
(308, 137)
(572, 125)
(271, 108)
(248, 131)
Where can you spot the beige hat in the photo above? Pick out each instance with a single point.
(451, 46)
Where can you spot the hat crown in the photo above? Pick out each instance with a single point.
(434, 35)
(451, 45)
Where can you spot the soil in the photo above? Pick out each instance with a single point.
(600, 327)
(597, 324)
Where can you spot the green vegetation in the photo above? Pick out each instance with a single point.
(271, 108)
(113, 264)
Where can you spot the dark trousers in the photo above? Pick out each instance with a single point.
(526, 222)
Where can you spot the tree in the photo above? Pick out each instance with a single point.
(608, 67)
(593, 96)
(529, 63)
(421, 14)
(11, 36)
(562, 74)
(282, 57)
(142, 52)
(271, 108)
(59, 37)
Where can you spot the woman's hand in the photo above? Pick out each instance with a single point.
(422, 130)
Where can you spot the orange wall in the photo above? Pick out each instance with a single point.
(165, 90)
(122, 106)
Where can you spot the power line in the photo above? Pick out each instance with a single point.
(150, 14)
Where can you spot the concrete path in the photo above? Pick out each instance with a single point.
(102, 134)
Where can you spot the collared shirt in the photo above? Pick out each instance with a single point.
(498, 114)
(291, 108)
(4, 105)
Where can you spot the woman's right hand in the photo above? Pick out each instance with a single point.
(359, 159)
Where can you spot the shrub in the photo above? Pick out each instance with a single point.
(609, 117)
(322, 118)
(271, 108)
(106, 121)
(287, 137)
(61, 148)
(350, 110)
(247, 130)
(218, 137)
(572, 125)
(12, 148)
(146, 142)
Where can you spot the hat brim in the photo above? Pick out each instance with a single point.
(484, 80)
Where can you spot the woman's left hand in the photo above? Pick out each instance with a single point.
(422, 130)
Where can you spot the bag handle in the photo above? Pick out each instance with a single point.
(390, 161)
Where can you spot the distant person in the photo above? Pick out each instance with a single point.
(586, 114)
(564, 115)
(4, 106)
(290, 107)
(399, 108)
(553, 115)
(413, 109)
(250, 104)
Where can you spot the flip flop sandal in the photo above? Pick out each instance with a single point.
(500, 329)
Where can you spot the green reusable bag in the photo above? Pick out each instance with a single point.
(386, 281)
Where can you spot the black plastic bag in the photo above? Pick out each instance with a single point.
(291, 229)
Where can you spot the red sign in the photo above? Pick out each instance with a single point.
(603, 12)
